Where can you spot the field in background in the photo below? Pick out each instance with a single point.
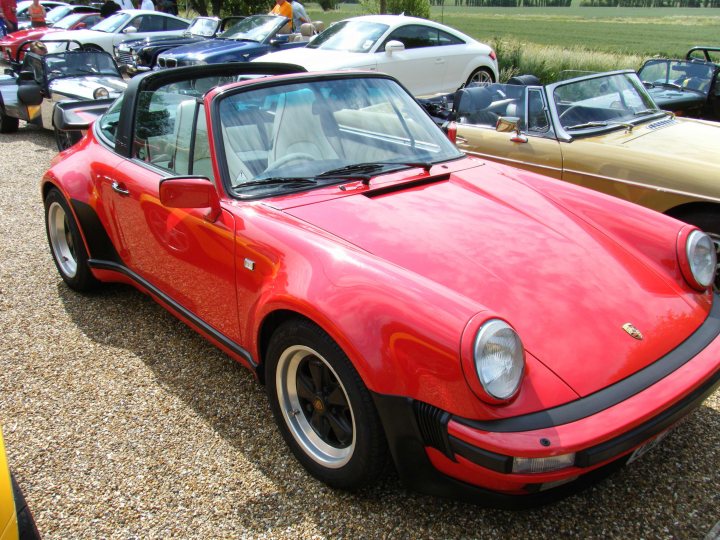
(545, 41)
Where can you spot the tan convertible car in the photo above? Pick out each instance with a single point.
(602, 131)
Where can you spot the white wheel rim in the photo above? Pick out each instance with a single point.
(61, 241)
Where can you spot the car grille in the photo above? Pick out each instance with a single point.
(167, 62)
(124, 57)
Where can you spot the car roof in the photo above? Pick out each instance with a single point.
(149, 12)
(394, 21)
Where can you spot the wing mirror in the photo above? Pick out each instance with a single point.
(129, 30)
(509, 124)
(191, 192)
(80, 26)
(394, 46)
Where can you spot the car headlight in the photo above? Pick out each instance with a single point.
(101, 92)
(698, 260)
(499, 359)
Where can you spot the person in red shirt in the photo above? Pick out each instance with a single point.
(8, 9)
(37, 14)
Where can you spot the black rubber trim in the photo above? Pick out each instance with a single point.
(614, 394)
(394, 188)
(196, 321)
(485, 458)
(99, 244)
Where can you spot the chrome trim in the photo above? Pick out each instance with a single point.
(507, 160)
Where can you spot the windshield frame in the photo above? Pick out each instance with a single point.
(669, 62)
(321, 41)
(113, 23)
(628, 122)
(453, 153)
(70, 19)
(51, 56)
(271, 25)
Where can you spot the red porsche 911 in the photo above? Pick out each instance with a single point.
(500, 336)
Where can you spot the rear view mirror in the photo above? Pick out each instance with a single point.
(129, 30)
(190, 192)
(394, 46)
(507, 124)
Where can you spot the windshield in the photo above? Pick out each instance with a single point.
(694, 75)
(255, 28)
(308, 134)
(351, 36)
(604, 101)
(203, 27)
(55, 14)
(79, 64)
(113, 23)
(69, 21)
(22, 7)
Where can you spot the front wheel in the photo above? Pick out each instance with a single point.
(482, 76)
(324, 411)
(66, 245)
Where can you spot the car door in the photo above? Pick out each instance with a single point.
(421, 66)
(457, 56)
(535, 148)
(175, 251)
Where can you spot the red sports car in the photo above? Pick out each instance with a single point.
(496, 333)
(10, 44)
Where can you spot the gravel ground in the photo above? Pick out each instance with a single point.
(120, 422)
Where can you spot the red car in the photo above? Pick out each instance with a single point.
(496, 333)
(10, 44)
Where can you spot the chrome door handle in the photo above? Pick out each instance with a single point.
(117, 187)
(460, 140)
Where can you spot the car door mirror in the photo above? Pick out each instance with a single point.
(30, 93)
(129, 30)
(190, 192)
(394, 46)
(510, 124)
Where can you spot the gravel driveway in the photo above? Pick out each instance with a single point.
(120, 422)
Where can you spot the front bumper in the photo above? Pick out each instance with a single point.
(451, 456)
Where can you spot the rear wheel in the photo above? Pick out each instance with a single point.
(8, 124)
(481, 76)
(66, 245)
(324, 411)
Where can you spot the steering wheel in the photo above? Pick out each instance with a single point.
(289, 158)
(566, 111)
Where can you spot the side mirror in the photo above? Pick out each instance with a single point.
(80, 26)
(190, 192)
(394, 46)
(129, 30)
(510, 124)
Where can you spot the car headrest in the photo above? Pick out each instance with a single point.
(469, 100)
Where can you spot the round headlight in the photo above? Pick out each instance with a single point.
(101, 92)
(702, 258)
(499, 359)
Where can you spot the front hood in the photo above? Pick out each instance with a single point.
(321, 60)
(84, 87)
(566, 287)
(699, 140)
(211, 46)
(22, 35)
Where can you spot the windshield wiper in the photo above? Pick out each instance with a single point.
(279, 181)
(601, 124)
(364, 171)
(670, 85)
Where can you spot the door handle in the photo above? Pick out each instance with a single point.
(460, 140)
(119, 188)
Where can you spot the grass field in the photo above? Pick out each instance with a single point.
(545, 41)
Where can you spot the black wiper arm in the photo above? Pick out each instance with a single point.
(627, 125)
(670, 85)
(362, 171)
(279, 181)
(645, 112)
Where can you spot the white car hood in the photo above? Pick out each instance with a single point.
(322, 60)
(83, 36)
(84, 87)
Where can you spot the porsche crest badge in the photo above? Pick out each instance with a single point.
(634, 332)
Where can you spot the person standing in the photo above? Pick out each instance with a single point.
(37, 14)
(108, 8)
(8, 8)
(299, 15)
(126, 4)
(147, 4)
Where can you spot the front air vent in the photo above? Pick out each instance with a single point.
(376, 192)
(433, 426)
(661, 123)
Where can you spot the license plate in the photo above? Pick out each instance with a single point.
(645, 448)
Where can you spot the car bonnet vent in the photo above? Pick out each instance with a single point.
(662, 123)
(376, 192)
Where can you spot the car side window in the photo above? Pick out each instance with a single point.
(148, 23)
(448, 39)
(108, 122)
(171, 133)
(174, 24)
(538, 120)
(413, 36)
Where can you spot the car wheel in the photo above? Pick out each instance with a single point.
(324, 411)
(8, 124)
(66, 245)
(480, 76)
(710, 223)
(65, 139)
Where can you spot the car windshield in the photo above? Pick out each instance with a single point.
(602, 102)
(55, 14)
(680, 74)
(69, 21)
(351, 36)
(308, 134)
(79, 64)
(255, 28)
(203, 26)
(22, 7)
(113, 23)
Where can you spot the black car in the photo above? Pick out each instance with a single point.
(687, 87)
(138, 55)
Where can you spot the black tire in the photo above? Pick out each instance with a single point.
(66, 245)
(709, 222)
(65, 139)
(8, 124)
(480, 76)
(324, 411)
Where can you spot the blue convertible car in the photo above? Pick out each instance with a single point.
(249, 38)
